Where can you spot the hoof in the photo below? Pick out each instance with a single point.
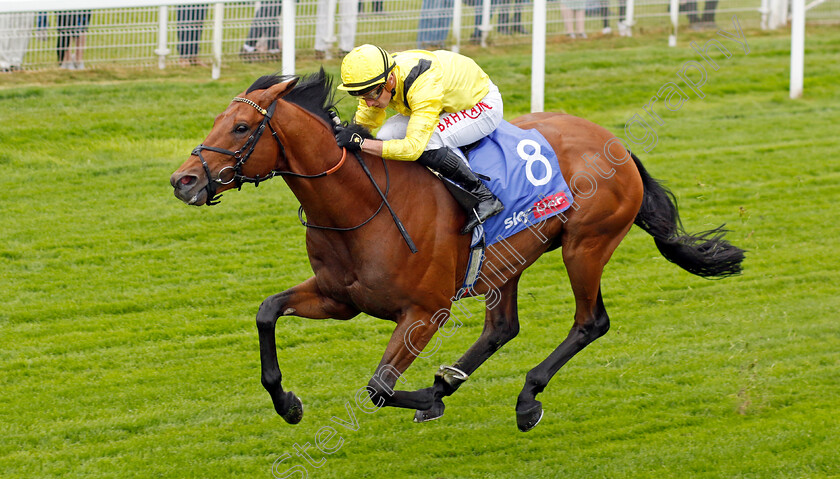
(529, 419)
(435, 412)
(294, 412)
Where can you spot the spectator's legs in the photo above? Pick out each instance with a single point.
(690, 7)
(348, 16)
(504, 17)
(63, 20)
(623, 28)
(272, 27)
(6, 39)
(181, 16)
(264, 22)
(255, 31)
(517, 26)
(568, 20)
(476, 34)
(580, 17)
(82, 23)
(709, 11)
(604, 11)
(78, 57)
(433, 27)
(326, 10)
(15, 30)
(190, 25)
(510, 17)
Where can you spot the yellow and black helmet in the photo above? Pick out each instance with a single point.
(364, 68)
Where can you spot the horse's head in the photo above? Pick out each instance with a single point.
(243, 146)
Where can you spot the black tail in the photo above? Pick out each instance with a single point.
(705, 254)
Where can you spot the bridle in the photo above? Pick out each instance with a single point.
(242, 154)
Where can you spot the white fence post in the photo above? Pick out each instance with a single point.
(457, 12)
(675, 21)
(630, 12)
(162, 50)
(332, 6)
(538, 58)
(485, 22)
(778, 13)
(764, 10)
(288, 46)
(218, 24)
(797, 48)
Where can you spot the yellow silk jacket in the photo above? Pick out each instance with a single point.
(437, 82)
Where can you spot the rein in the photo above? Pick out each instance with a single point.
(351, 228)
(384, 197)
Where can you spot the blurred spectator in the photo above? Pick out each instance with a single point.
(507, 23)
(433, 27)
(190, 24)
(266, 25)
(348, 13)
(574, 17)
(510, 17)
(601, 9)
(72, 25)
(43, 25)
(375, 6)
(697, 22)
(15, 30)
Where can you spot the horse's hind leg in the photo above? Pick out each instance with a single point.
(501, 324)
(585, 262)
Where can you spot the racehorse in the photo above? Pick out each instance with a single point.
(361, 263)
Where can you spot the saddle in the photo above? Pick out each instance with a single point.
(520, 167)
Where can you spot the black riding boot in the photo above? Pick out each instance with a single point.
(450, 166)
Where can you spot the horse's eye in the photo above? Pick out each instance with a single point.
(241, 128)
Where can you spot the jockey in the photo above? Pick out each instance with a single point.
(443, 101)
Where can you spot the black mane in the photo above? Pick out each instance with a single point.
(313, 92)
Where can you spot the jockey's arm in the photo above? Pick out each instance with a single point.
(373, 147)
(421, 124)
(370, 118)
(424, 118)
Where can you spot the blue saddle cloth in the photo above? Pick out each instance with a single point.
(524, 174)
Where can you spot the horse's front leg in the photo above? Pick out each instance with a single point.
(413, 332)
(304, 300)
(501, 324)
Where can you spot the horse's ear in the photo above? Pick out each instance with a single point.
(280, 89)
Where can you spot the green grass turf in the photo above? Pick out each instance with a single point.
(127, 338)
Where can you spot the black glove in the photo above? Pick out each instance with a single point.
(351, 137)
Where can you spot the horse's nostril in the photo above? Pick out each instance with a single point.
(181, 182)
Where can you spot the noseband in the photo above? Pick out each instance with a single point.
(242, 154)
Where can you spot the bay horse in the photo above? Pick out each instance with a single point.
(361, 263)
